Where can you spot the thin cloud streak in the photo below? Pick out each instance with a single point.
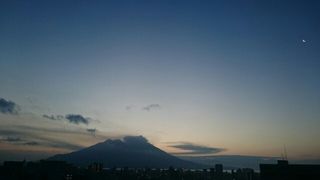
(53, 117)
(71, 118)
(151, 107)
(53, 137)
(192, 149)
(92, 131)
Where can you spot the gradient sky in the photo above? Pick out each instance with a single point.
(239, 76)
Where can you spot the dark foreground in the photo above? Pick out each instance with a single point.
(60, 170)
(57, 170)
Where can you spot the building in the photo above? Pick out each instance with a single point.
(96, 167)
(285, 171)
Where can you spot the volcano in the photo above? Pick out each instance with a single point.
(131, 151)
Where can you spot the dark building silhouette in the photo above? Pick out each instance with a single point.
(14, 165)
(95, 167)
(218, 169)
(13, 169)
(43, 169)
(60, 170)
(285, 171)
(244, 174)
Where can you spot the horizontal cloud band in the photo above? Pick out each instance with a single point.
(192, 149)
(71, 118)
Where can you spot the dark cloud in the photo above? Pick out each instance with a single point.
(32, 143)
(77, 119)
(151, 107)
(12, 139)
(192, 149)
(71, 118)
(135, 139)
(92, 131)
(19, 141)
(53, 117)
(65, 145)
(129, 107)
(27, 131)
(33, 134)
(8, 107)
(54, 143)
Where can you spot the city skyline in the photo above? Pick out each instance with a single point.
(194, 78)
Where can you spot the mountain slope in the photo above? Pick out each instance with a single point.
(132, 151)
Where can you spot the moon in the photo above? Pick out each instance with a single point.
(304, 41)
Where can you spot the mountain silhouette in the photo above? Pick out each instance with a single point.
(131, 151)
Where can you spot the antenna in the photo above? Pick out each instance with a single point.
(285, 152)
(284, 155)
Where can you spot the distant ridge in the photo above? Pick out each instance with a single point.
(131, 151)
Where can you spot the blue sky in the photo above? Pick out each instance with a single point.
(236, 75)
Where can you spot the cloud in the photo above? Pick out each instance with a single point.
(27, 131)
(134, 139)
(71, 118)
(192, 149)
(53, 117)
(129, 107)
(12, 139)
(38, 140)
(92, 131)
(65, 145)
(19, 141)
(151, 107)
(77, 119)
(32, 143)
(58, 138)
(8, 107)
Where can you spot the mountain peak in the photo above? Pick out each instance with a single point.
(128, 140)
(130, 151)
(112, 141)
(135, 139)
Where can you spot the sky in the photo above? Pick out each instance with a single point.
(228, 77)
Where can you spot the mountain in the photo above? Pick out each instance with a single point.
(131, 151)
